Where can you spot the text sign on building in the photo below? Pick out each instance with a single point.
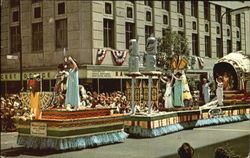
(38, 129)
(26, 75)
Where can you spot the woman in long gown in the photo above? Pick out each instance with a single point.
(219, 90)
(168, 96)
(206, 90)
(178, 90)
(72, 94)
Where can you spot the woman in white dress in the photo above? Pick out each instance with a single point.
(219, 90)
(168, 97)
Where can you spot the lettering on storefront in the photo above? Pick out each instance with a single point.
(38, 129)
(101, 74)
(26, 75)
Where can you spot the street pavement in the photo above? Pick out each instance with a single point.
(204, 141)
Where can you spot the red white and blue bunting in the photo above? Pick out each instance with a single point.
(119, 56)
(101, 54)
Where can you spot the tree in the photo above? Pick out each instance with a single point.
(171, 45)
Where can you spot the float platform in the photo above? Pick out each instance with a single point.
(162, 123)
(62, 130)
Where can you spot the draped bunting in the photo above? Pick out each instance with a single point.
(119, 56)
(101, 54)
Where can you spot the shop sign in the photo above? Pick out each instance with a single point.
(105, 74)
(38, 129)
(193, 76)
(26, 75)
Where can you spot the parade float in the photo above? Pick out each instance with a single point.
(235, 70)
(62, 128)
(157, 123)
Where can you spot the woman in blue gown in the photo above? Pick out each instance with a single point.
(72, 94)
(178, 90)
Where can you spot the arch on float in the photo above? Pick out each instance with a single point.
(237, 65)
(223, 67)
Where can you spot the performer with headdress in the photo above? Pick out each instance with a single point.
(72, 94)
(168, 96)
(178, 90)
(219, 90)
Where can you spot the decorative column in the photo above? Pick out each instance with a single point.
(133, 69)
(150, 69)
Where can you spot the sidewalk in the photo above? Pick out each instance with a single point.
(8, 140)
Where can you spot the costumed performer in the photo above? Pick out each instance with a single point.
(72, 94)
(60, 85)
(219, 90)
(178, 90)
(168, 96)
(187, 97)
(206, 90)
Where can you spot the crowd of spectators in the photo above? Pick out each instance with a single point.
(11, 106)
(116, 100)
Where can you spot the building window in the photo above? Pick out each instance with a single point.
(15, 16)
(61, 34)
(148, 32)
(180, 22)
(218, 30)
(37, 12)
(181, 33)
(130, 33)
(206, 10)
(165, 5)
(148, 16)
(194, 8)
(217, 13)
(228, 18)
(165, 19)
(37, 37)
(15, 39)
(181, 7)
(229, 46)
(238, 45)
(228, 32)
(206, 28)
(35, 1)
(132, 1)
(108, 33)
(194, 25)
(218, 48)
(207, 46)
(238, 34)
(195, 44)
(61, 8)
(237, 20)
(108, 9)
(149, 3)
(129, 12)
(14, 3)
(164, 32)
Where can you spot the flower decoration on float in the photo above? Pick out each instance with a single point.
(119, 56)
(101, 54)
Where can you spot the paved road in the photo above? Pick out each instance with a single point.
(204, 140)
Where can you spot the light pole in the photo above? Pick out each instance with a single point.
(232, 12)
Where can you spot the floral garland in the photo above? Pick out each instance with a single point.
(101, 54)
(119, 56)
